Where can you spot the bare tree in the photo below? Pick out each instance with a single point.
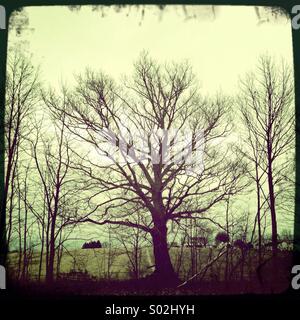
(21, 96)
(157, 99)
(268, 114)
(257, 173)
(133, 241)
(52, 160)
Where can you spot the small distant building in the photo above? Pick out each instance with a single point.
(197, 242)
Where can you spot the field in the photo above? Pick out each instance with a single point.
(110, 267)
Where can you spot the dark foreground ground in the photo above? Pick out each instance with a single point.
(145, 287)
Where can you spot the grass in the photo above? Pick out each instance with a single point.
(107, 271)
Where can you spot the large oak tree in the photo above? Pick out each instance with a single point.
(136, 119)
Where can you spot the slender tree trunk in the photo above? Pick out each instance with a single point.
(47, 242)
(41, 255)
(19, 232)
(192, 257)
(273, 211)
(270, 174)
(136, 256)
(25, 243)
(42, 242)
(272, 207)
(10, 216)
(25, 231)
(258, 215)
(109, 255)
(59, 254)
(180, 255)
(227, 251)
(11, 204)
(50, 271)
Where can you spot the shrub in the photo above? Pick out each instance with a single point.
(222, 237)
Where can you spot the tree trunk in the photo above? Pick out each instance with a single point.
(273, 216)
(59, 254)
(25, 262)
(270, 176)
(258, 214)
(272, 208)
(47, 242)
(164, 271)
(50, 269)
(41, 257)
(19, 233)
(10, 209)
(42, 244)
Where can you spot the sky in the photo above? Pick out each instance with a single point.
(64, 42)
(220, 50)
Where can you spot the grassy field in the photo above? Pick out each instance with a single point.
(108, 271)
(114, 263)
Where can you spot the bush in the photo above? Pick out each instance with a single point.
(222, 237)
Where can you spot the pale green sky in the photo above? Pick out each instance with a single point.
(65, 42)
(220, 50)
